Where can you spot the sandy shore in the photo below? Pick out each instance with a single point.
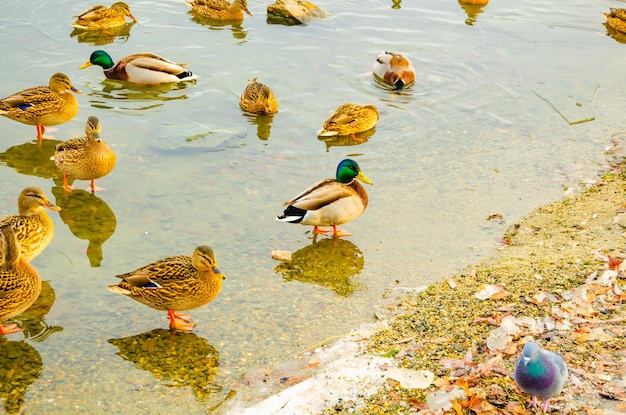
(452, 347)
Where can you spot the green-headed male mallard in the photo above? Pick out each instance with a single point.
(140, 68)
(32, 225)
(394, 69)
(350, 119)
(43, 106)
(20, 284)
(175, 283)
(220, 9)
(85, 158)
(258, 99)
(102, 17)
(330, 202)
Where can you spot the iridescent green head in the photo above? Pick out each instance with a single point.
(100, 58)
(348, 170)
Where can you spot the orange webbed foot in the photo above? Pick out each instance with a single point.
(180, 321)
(9, 329)
(337, 233)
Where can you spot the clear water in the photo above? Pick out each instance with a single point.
(472, 138)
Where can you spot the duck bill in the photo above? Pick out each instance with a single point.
(216, 271)
(132, 17)
(85, 65)
(247, 12)
(52, 207)
(362, 178)
(76, 90)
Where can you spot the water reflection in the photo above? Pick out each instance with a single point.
(175, 358)
(32, 320)
(20, 366)
(31, 160)
(263, 124)
(88, 217)
(472, 10)
(128, 92)
(396, 4)
(347, 140)
(331, 263)
(104, 36)
(216, 24)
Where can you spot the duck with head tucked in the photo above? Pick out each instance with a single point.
(330, 202)
(32, 225)
(350, 119)
(85, 158)
(258, 99)
(175, 283)
(394, 69)
(20, 283)
(220, 9)
(140, 68)
(43, 106)
(102, 17)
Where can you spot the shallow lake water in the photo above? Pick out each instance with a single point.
(490, 127)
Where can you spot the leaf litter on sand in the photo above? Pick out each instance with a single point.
(560, 282)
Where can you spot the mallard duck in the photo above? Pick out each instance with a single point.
(20, 284)
(102, 17)
(32, 225)
(220, 9)
(175, 283)
(85, 158)
(140, 68)
(330, 202)
(43, 106)
(258, 98)
(616, 20)
(394, 69)
(350, 119)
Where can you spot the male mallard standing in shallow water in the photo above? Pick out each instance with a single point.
(330, 202)
(394, 69)
(85, 158)
(258, 99)
(220, 9)
(43, 106)
(102, 17)
(140, 68)
(350, 119)
(175, 283)
(32, 225)
(20, 284)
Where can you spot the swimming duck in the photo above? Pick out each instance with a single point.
(350, 119)
(20, 284)
(220, 9)
(175, 283)
(330, 202)
(102, 17)
(616, 21)
(395, 69)
(43, 106)
(140, 68)
(85, 158)
(32, 225)
(258, 98)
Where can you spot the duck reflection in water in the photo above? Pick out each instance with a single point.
(31, 160)
(129, 93)
(473, 8)
(32, 320)
(104, 36)
(238, 32)
(88, 217)
(20, 366)
(175, 358)
(331, 263)
(263, 124)
(347, 140)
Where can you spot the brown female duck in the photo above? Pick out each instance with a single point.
(102, 17)
(258, 99)
(350, 119)
(220, 9)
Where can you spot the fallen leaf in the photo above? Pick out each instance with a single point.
(491, 291)
(411, 378)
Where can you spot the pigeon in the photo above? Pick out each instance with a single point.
(540, 373)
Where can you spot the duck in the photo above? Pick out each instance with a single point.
(350, 119)
(258, 99)
(616, 21)
(175, 283)
(20, 283)
(220, 9)
(394, 69)
(141, 68)
(32, 225)
(475, 2)
(330, 202)
(85, 158)
(102, 17)
(43, 106)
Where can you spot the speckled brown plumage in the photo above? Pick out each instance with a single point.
(258, 99)
(220, 9)
(32, 225)
(20, 284)
(102, 17)
(350, 119)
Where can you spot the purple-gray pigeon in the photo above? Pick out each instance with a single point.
(540, 373)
